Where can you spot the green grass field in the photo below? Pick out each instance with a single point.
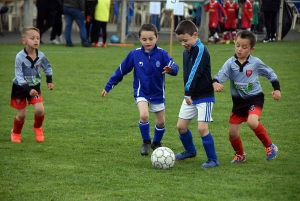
(91, 148)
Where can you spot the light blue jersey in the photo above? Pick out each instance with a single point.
(27, 71)
(244, 77)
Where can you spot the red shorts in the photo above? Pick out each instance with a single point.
(230, 24)
(213, 24)
(19, 97)
(246, 24)
(238, 119)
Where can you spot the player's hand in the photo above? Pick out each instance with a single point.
(103, 94)
(167, 69)
(276, 94)
(236, 21)
(218, 87)
(50, 86)
(33, 92)
(188, 100)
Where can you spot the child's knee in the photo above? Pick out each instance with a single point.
(21, 115)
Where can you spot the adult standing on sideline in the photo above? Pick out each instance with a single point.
(74, 11)
(89, 16)
(45, 15)
(102, 11)
(270, 8)
(57, 25)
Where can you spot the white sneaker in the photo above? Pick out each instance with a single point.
(60, 38)
(55, 42)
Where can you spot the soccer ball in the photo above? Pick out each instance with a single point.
(114, 39)
(163, 158)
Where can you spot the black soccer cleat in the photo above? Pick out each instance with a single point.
(145, 148)
(155, 145)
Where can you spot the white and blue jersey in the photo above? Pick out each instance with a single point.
(148, 80)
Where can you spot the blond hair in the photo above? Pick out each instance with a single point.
(26, 29)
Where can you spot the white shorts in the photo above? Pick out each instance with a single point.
(152, 107)
(203, 110)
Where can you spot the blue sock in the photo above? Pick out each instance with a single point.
(145, 130)
(187, 141)
(158, 133)
(209, 146)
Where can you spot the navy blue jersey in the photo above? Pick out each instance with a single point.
(197, 72)
(148, 80)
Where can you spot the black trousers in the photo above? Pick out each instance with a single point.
(57, 25)
(270, 18)
(97, 25)
(45, 18)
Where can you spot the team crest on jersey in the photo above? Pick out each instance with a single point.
(248, 73)
(37, 67)
(252, 108)
(141, 64)
(157, 64)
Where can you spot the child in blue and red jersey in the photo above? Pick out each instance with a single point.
(26, 84)
(198, 95)
(150, 64)
(243, 71)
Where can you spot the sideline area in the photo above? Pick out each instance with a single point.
(164, 36)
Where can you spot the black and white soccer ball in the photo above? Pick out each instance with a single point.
(163, 158)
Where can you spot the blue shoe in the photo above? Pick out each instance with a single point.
(184, 155)
(210, 163)
(271, 151)
(239, 158)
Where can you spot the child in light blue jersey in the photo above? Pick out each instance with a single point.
(150, 64)
(243, 71)
(26, 84)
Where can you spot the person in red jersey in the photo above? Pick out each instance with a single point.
(232, 11)
(213, 7)
(247, 15)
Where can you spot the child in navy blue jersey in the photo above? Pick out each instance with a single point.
(150, 64)
(243, 71)
(198, 94)
(26, 84)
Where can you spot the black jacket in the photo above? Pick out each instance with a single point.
(270, 5)
(197, 72)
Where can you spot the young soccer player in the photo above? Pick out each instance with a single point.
(243, 71)
(232, 10)
(213, 7)
(247, 15)
(26, 84)
(150, 64)
(199, 94)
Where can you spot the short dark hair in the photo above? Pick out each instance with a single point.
(186, 27)
(148, 27)
(245, 34)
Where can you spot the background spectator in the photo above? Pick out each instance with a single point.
(270, 8)
(57, 26)
(74, 11)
